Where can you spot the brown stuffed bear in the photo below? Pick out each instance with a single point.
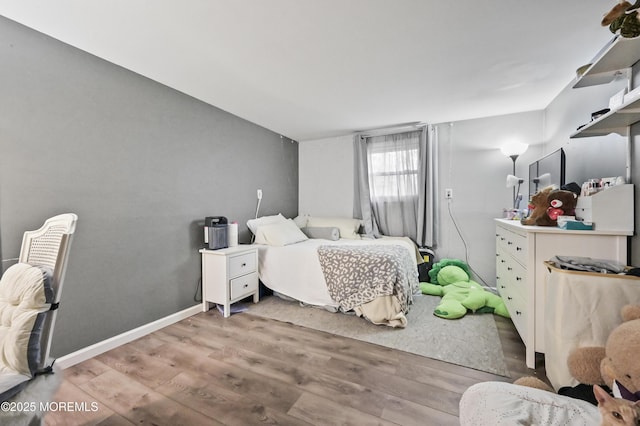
(618, 360)
(538, 205)
(557, 202)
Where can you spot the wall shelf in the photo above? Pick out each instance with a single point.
(615, 121)
(616, 56)
(614, 60)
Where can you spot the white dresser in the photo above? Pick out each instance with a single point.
(521, 273)
(229, 275)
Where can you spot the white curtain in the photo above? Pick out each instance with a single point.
(394, 184)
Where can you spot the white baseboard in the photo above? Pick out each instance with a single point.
(84, 354)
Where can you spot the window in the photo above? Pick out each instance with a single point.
(393, 169)
(394, 184)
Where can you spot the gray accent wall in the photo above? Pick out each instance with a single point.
(141, 164)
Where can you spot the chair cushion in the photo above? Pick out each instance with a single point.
(11, 384)
(25, 300)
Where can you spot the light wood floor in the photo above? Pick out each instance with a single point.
(247, 370)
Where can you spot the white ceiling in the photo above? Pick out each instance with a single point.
(310, 69)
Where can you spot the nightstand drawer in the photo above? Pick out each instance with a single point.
(246, 284)
(242, 264)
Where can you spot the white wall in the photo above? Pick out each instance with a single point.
(585, 159)
(469, 162)
(326, 177)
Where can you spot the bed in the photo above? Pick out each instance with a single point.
(375, 278)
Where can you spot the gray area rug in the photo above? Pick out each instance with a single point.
(471, 341)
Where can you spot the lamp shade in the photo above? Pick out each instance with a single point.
(543, 180)
(513, 148)
(512, 181)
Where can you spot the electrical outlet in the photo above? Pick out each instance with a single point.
(448, 193)
(259, 194)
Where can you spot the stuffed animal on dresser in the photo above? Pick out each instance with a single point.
(550, 203)
(538, 206)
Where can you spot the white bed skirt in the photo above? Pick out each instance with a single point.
(294, 270)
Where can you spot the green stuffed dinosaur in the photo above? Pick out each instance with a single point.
(450, 278)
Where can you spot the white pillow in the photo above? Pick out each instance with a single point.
(301, 220)
(348, 227)
(253, 224)
(280, 234)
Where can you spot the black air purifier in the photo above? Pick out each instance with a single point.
(215, 232)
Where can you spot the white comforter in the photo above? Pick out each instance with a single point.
(294, 270)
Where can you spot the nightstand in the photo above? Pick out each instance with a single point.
(229, 275)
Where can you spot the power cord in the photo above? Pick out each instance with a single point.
(466, 248)
(258, 204)
(253, 236)
(198, 288)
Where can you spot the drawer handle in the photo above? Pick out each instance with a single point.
(518, 313)
(502, 261)
(502, 238)
(509, 298)
(502, 286)
(245, 286)
(509, 243)
(518, 279)
(243, 265)
(509, 268)
(518, 248)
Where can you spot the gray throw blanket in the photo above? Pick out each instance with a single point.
(356, 275)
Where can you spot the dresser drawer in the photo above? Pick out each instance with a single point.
(517, 309)
(515, 276)
(502, 279)
(515, 245)
(501, 238)
(242, 264)
(243, 285)
(509, 272)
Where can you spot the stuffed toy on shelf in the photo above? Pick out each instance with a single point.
(623, 19)
(451, 279)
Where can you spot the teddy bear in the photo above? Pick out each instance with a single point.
(616, 365)
(547, 209)
(538, 205)
(450, 278)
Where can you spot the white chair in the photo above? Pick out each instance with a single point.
(49, 246)
(30, 293)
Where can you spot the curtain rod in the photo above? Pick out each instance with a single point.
(392, 130)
